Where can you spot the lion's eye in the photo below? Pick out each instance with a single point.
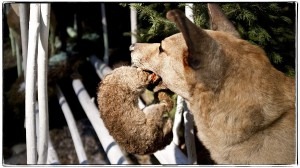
(161, 49)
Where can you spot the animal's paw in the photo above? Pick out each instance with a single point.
(167, 129)
(164, 97)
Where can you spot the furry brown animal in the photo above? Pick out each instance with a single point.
(244, 109)
(139, 132)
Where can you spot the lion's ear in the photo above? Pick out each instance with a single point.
(219, 22)
(200, 44)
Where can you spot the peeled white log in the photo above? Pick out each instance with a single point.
(113, 151)
(177, 119)
(24, 31)
(12, 42)
(105, 37)
(133, 23)
(19, 60)
(42, 83)
(30, 84)
(101, 68)
(72, 127)
(190, 137)
(14, 39)
(52, 155)
(189, 11)
(171, 155)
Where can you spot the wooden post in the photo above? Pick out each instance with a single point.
(189, 137)
(30, 97)
(133, 23)
(52, 155)
(189, 11)
(23, 12)
(72, 127)
(42, 83)
(177, 119)
(105, 37)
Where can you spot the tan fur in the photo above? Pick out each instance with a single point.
(244, 108)
(139, 132)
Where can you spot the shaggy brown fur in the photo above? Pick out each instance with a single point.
(244, 108)
(139, 132)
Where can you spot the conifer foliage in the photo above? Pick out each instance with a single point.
(271, 25)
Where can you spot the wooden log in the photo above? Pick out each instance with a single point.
(52, 157)
(31, 84)
(105, 36)
(24, 19)
(113, 151)
(189, 11)
(177, 119)
(133, 24)
(72, 127)
(189, 137)
(43, 83)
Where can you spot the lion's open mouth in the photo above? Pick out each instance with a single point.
(153, 77)
(155, 80)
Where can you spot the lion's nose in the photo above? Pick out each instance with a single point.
(131, 48)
